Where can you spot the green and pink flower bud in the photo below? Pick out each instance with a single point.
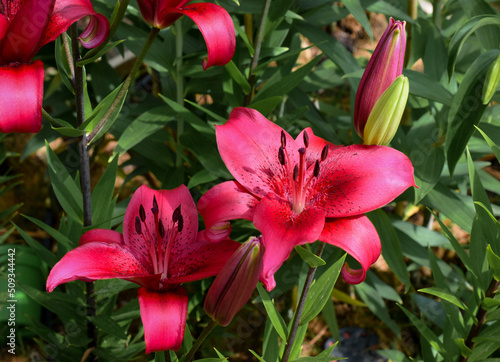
(385, 65)
(233, 286)
(385, 116)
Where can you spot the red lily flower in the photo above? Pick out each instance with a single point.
(25, 26)
(214, 22)
(303, 190)
(158, 250)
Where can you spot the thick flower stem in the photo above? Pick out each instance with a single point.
(412, 11)
(179, 82)
(300, 307)
(481, 317)
(123, 91)
(78, 84)
(204, 334)
(258, 45)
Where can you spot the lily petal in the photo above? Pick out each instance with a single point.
(96, 260)
(282, 230)
(66, 12)
(21, 96)
(164, 316)
(358, 237)
(251, 137)
(216, 26)
(226, 201)
(101, 235)
(199, 260)
(24, 36)
(168, 201)
(357, 179)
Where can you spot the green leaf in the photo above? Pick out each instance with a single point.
(276, 319)
(67, 191)
(320, 291)
(467, 108)
(376, 304)
(267, 105)
(494, 261)
(101, 109)
(213, 115)
(102, 195)
(443, 294)
(391, 248)
(477, 190)
(325, 356)
(102, 52)
(332, 48)
(108, 325)
(257, 356)
(451, 204)
(41, 251)
(464, 350)
(490, 303)
(285, 83)
(62, 62)
(427, 333)
(142, 127)
(423, 85)
(196, 122)
(355, 8)
(238, 77)
(464, 258)
(308, 256)
(57, 235)
(493, 145)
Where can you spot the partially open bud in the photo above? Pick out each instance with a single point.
(385, 116)
(385, 65)
(492, 81)
(218, 232)
(234, 285)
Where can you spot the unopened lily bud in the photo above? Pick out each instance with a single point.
(218, 232)
(234, 285)
(385, 116)
(492, 81)
(385, 65)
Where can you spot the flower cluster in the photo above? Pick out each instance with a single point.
(294, 190)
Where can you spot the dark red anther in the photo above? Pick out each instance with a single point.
(154, 209)
(180, 223)
(283, 139)
(316, 169)
(296, 173)
(142, 213)
(281, 156)
(306, 139)
(138, 229)
(324, 152)
(302, 151)
(176, 214)
(161, 229)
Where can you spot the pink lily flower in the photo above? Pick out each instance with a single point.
(25, 26)
(385, 65)
(214, 22)
(303, 190)
(159, 250)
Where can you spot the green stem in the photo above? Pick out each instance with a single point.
(258, 45)
(300, 307)
(78, 85)
(112, 29)
(412, 11)
(204, 334)
(123, 91)
(179, 81)
(481, 317)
